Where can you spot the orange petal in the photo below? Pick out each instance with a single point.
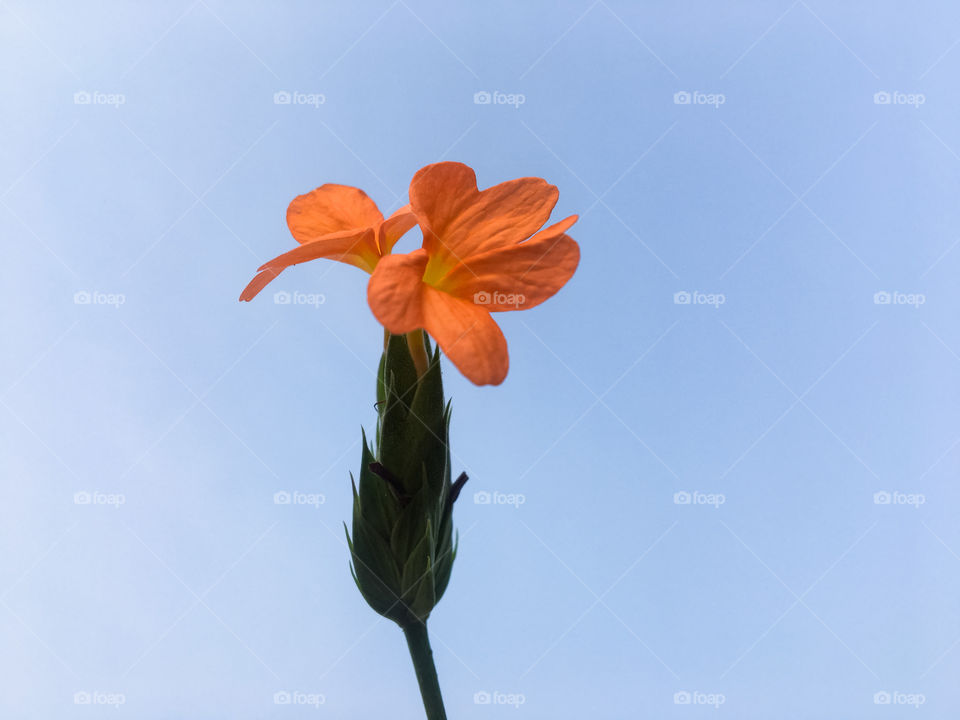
(466, 333)
(329, 209)
(517, 277)
(355, 247)
(259, 282)
(459, 221)
(394, 227)
(395, 291)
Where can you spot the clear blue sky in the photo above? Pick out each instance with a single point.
(785, 188)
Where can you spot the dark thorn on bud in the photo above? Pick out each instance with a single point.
(396, 487)
(457, 487)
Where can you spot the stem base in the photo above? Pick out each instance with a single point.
(418, 643)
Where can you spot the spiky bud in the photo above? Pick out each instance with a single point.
(402, 547)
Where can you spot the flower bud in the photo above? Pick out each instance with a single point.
(402, 547)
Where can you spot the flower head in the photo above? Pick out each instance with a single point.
(336, 222)
(481, 253)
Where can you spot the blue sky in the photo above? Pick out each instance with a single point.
(804, 400)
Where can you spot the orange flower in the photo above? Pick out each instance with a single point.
(336, 222)
(478, 257)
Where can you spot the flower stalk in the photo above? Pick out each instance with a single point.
(419, 644)
(402, 544)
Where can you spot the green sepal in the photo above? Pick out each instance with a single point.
(375, 571)
(375, 498)
(417, 580)
(408, 529)
(444, 564)
(403, 546)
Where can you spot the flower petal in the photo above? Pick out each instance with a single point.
(328, 209)
(395, 291)
(466, 333)
(355, 247)
(517, 277)
(459, 221)
(394, 227)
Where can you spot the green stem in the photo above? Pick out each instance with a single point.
(419, 644)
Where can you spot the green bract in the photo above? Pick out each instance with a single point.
(402, 546)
